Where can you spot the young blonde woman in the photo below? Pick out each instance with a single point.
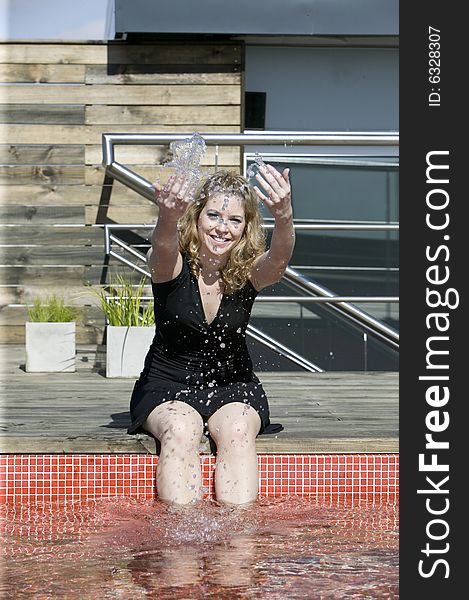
(208, 262)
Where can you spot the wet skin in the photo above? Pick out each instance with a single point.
(221, 225)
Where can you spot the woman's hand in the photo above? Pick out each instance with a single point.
(173, 198)
(276, 194)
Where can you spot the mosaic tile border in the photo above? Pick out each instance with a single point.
(64, 477)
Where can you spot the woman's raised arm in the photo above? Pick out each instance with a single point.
(276, 195)
(164, 259)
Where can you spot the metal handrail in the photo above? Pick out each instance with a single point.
(291, 275)
(351, 312)
(327, 299)
(341, 304)
(323, 160)
(297, 226)
(284, 351)
(316, 294)
(145, 188)
(112, 238)
(251, 331)
(290, 138)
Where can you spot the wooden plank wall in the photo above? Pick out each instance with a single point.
(56, 101)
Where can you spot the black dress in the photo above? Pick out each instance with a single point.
(205, 365)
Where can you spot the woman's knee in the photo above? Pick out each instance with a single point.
(181, 433)
(234, 425)
(175, 425)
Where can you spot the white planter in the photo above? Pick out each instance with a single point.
(50, 347)
(126, 348)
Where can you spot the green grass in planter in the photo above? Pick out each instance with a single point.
(122, 303)
(51, 310)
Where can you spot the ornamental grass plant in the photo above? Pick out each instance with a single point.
(123, 303)
(51, 310)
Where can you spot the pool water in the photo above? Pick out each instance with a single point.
(124, 548)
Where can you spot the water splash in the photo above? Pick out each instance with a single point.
(135, 548)
(236, 190)
(187, 155)
(253, 169)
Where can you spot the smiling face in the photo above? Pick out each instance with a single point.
(221, 224)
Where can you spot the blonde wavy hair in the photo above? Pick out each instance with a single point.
(252, 244)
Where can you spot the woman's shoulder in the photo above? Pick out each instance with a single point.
(250, 290)
(178, 279)
(246, 293)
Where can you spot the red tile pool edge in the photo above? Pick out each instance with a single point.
(61, 477)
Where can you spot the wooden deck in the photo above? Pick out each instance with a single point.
(85, 412)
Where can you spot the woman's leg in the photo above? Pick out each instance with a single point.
(179, 429)
(234, 428)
